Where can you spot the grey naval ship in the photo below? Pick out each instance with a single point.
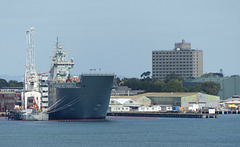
(83, 97)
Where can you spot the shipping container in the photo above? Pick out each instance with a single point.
(175, 108)
(181, 109)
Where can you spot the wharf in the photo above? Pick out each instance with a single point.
(177, 115)
(228, 112)
(4, 113)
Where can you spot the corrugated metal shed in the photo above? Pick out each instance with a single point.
(229, 85)
(181, 99)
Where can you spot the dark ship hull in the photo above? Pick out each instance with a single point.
(87, 99)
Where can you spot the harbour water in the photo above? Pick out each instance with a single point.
(124, 131)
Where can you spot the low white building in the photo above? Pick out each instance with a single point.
(126, 102)
(165, 108)
(119, 108)
(154, 108)
(231, 103)
(123, 105)
(193, 107)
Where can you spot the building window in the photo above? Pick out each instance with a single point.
(9, 95)
(9, 101)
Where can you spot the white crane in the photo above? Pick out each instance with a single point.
(31, 78)
(31, 89)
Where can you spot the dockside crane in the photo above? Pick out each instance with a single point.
(31, 81)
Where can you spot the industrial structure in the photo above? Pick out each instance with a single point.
(232, 103)
(123, 105)
(7, 101)
(183, 61)
(188, 101)
(43, 81)
(32, 94)
(229, 85)
(191, 101)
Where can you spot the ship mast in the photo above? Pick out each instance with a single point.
(60, 68)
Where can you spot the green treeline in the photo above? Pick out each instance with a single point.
(172, 83)
(11, 83)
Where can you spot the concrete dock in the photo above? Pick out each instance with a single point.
(228, 112)
(176, 115)
(4, 113)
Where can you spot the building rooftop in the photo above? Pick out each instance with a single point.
(176, 50)
(168, 94)
(158, 94)
(121, 100)
(233, 99)
(7, 92)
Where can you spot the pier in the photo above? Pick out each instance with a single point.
(176, 115)
(4, 113)
(228, 112)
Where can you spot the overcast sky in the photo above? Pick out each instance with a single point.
(119, 36)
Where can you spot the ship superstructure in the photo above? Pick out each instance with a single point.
(60, 68)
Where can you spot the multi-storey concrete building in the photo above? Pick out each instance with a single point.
(44, 91)
(7, 101)
(182, 60)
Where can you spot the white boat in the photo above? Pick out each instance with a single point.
(34, 115)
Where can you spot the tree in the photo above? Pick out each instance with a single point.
(117, 81)
(212, 75)
(210, 87)
(11, 83)
(174, 85)
(158, 86)
(196, 88)
(132, 83)
(172, 76)
(14, 83)
(3, 83)
(146, 75)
